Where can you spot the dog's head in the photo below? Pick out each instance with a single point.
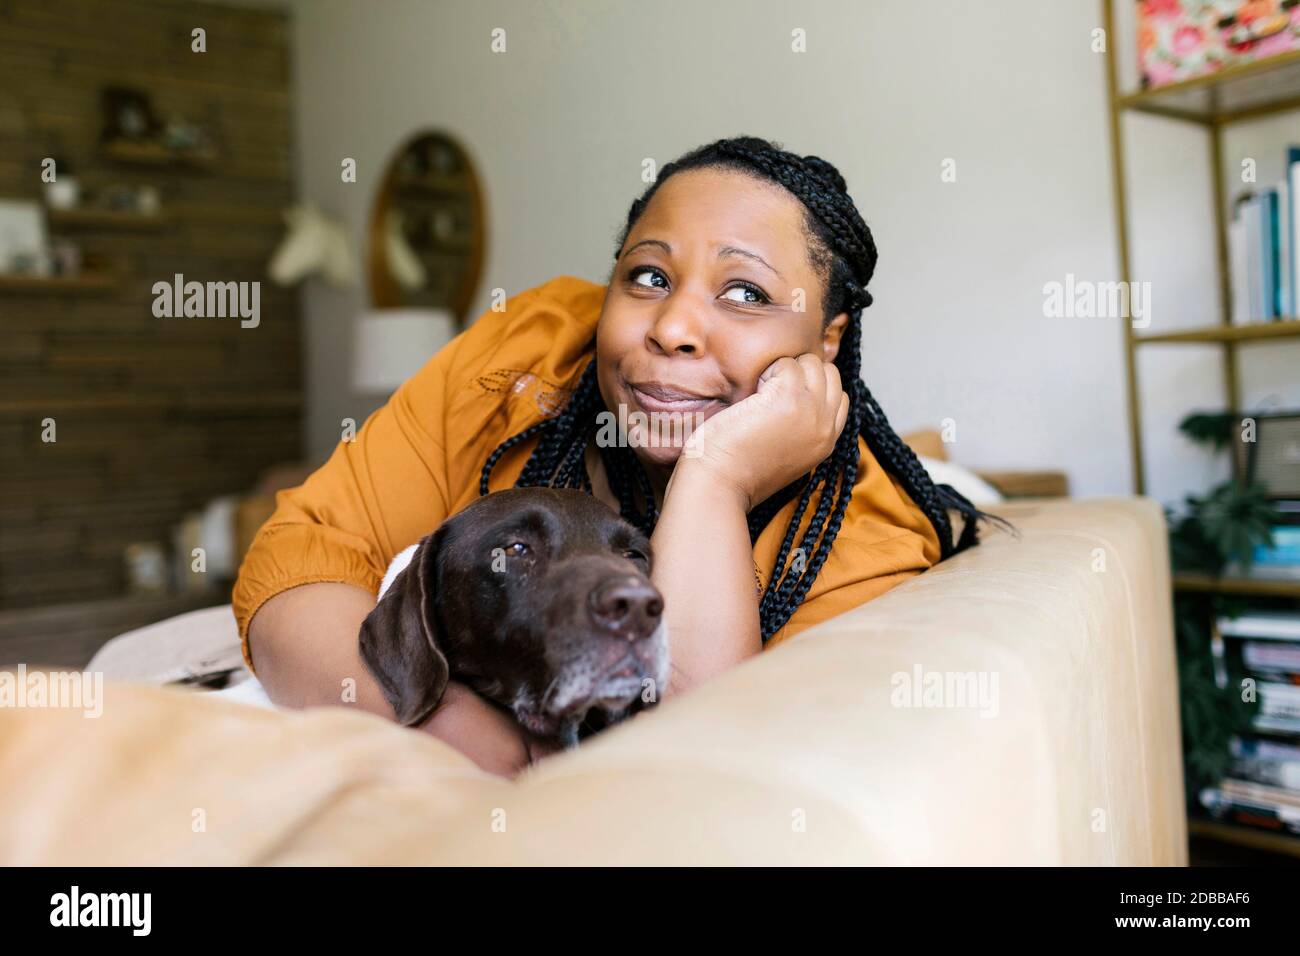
(538, 598)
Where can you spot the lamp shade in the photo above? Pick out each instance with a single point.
(391, 345)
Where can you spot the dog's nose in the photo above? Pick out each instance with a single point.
(627, 607)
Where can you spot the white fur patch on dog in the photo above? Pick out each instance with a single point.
(400, 561)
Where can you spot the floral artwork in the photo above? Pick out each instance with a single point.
(1182, 39)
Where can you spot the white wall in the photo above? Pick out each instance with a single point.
(561, 122)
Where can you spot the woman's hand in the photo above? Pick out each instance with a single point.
(784, 430)
(539, 748)
(485, 733)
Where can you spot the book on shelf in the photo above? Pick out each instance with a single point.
(1281, 659)
(1285, 548)
(1262, 625)
(1278, 561)
(1293, 231)
(1260, 792)
(1266, 649)
(1262, 786)
(1269, 762)
(1262, 572)
(1279, 700)
(1284, 726)
(1260, 812)
(1264, 249)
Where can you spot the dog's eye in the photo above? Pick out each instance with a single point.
(632, 554)
(517, 549)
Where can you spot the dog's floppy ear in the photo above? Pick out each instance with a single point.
(401, 638)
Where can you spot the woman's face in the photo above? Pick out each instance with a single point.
(712, 285)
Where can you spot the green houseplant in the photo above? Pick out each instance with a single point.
(1223, 526)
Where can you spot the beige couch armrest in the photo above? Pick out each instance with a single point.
(805, 754)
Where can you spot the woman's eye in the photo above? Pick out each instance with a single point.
(749, 295)
(646, 272)
(517, 549)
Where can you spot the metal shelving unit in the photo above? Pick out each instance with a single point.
(1243, 92)
(1233, 94)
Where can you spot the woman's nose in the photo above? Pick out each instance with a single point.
(679, 328)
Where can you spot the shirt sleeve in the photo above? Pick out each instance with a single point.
(378, 492)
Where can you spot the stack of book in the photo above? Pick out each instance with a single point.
(1262, 788)
(1279, 561)
(1264, 249)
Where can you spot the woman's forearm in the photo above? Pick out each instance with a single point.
(704, 566)
(306, 653)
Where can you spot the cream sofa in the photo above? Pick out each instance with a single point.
(804, 755)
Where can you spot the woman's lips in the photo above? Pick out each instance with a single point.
(662, 402)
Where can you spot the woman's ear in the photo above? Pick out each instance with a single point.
(831, 336)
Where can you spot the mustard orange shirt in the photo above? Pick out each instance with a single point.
(417, 460)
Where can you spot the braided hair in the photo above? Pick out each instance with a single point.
(842, 250)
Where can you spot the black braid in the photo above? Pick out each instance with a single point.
(842, 249)
(559, 460)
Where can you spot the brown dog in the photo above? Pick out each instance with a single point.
(540, 600)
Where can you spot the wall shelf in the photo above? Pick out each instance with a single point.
(155, 154)
(1256, 587)
(1232, 94)
(1235, 93)
(283, 401)
(84, 283)
(1212, 102)
(156, 416)
(107, 219)
(1245, 836)
(1250, 332)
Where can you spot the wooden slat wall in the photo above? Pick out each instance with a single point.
(155, 416)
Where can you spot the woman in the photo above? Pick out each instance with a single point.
(735, 301)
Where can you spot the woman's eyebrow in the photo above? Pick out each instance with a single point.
(651, 242)
(722, 253)
(737, 251)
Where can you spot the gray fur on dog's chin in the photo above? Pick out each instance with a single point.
(560, 709)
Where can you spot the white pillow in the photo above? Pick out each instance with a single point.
(963, 480)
